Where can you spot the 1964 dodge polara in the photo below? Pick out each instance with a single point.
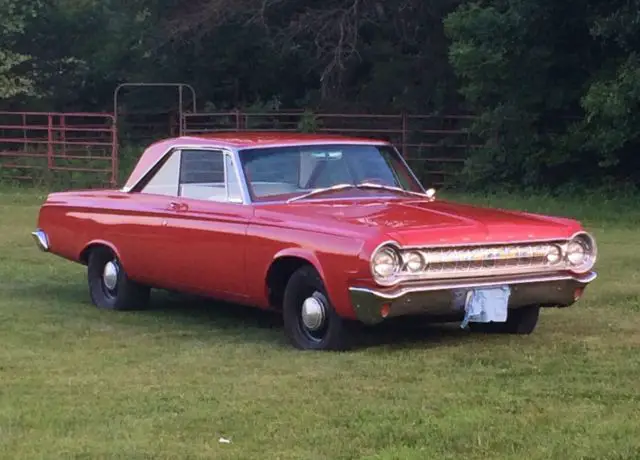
(333, 232)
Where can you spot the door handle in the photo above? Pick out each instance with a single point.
(175, 206)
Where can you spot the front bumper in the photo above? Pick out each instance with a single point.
(437, 298)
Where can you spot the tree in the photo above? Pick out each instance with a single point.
(14, 16)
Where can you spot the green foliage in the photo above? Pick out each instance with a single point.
(82, 49)
(554, 84)
(14, 16)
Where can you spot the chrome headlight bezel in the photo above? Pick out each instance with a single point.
(587, 244)
(555, 255)
(390, 250)
(413, 262)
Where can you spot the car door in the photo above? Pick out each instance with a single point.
(146, 233)
(209, 226)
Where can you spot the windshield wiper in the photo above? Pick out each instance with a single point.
(321, 190)
(430, 193)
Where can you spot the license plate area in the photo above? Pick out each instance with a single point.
(483, 305)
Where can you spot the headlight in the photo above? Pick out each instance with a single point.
(554, 254)
(385, 264)
(414, 262)
(581, 253)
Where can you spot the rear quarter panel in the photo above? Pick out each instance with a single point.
(74, 220)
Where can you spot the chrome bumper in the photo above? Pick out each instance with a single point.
(437, 298)
(41, 239)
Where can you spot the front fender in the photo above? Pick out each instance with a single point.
(304, 254)
(335, 273)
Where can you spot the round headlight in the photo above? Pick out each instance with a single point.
(414, 262)
(576, 253)
(581, 253)
(554, 254)
(385, 263)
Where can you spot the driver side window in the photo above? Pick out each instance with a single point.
(197, 174)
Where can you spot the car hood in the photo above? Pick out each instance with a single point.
(414, 222)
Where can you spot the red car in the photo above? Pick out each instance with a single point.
(332, 232)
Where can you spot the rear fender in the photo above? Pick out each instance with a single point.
(83, 257)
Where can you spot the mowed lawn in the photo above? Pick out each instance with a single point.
(76, 382)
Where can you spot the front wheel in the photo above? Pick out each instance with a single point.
(110, 287)
(310, 321)
(520, 321)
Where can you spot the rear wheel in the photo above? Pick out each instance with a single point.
(110, 287)
(310, 321)
(520, 321)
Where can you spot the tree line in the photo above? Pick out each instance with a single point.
(555, 85)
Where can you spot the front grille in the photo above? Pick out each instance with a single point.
(486, 260)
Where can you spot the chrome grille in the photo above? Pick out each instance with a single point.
(484, 260)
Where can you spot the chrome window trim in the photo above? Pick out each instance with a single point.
(234, 152)
(332, 142)
(226, 151)
(406, 165)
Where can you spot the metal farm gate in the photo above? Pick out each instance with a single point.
(80, 150)
(435, 146)
(66, 149)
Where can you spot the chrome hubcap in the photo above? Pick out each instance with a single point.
(110, 275)
(313, 313)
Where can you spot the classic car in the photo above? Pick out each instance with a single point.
(330, 231)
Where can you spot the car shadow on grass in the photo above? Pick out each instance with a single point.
(256, 325)
(208, 318)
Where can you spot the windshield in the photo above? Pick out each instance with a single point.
(284, 172)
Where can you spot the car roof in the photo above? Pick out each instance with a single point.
(237, 140)
(248, 139)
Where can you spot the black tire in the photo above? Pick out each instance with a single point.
(520, 321)
(127, 294)
(336, 333)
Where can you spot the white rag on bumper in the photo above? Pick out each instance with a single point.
(486, 305)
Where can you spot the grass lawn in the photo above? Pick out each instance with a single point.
(76, 382)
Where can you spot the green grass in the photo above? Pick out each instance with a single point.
(76, 382)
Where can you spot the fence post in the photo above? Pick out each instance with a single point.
(114, 153)
(24, 131)
(49, 142)
(63, 134)
(405, 135)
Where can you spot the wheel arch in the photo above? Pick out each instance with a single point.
(283, 265)
(83, 258)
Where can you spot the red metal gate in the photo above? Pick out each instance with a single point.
(65, 149)
(434, 145)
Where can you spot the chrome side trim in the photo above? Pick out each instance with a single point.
(41, 239)
(474, 283)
